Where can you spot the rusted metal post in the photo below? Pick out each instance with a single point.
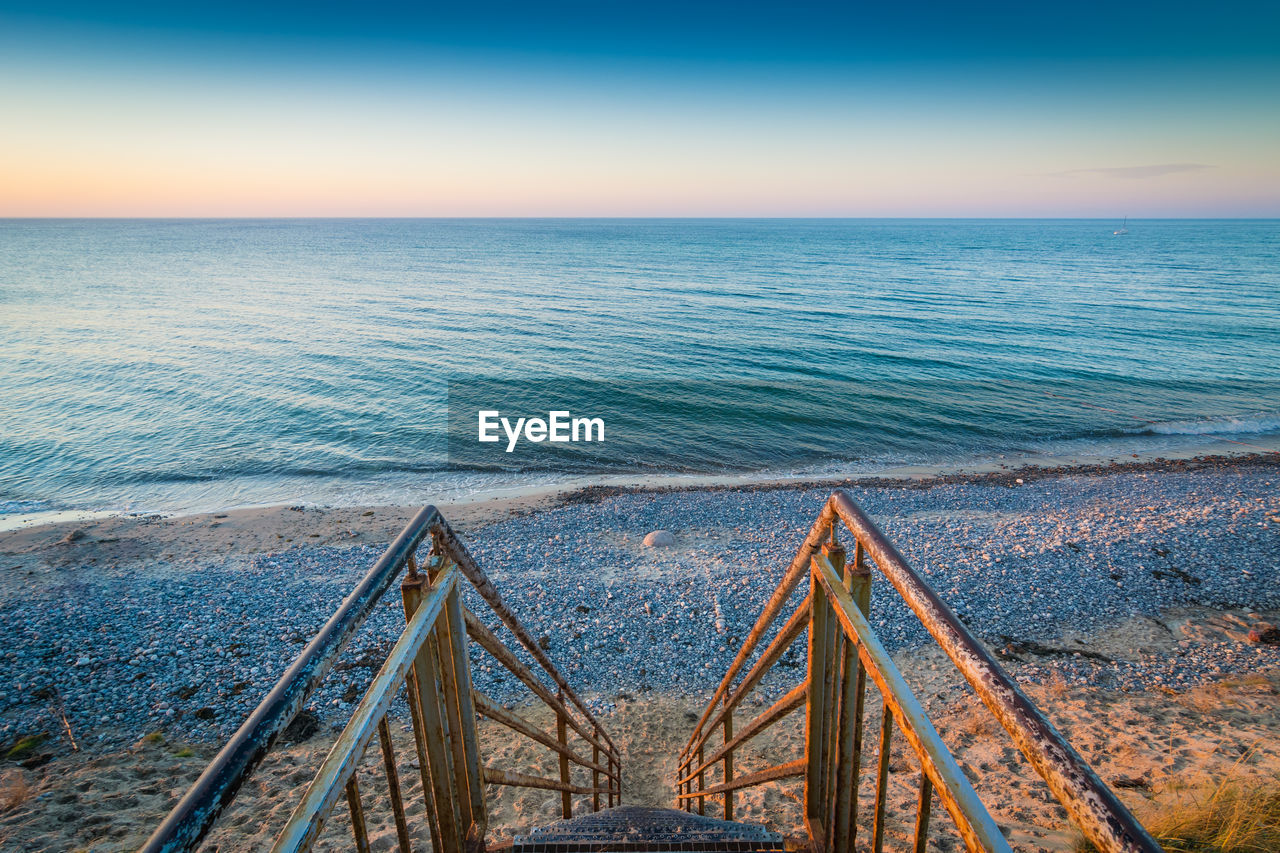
(562, 733)
(343, 761)
(393, 785)
(422, 682)
(815, 711)
(357, 816)
(830, 710)
(462, 716)
(465, 781)
(972, 820)
(595, 775)
(857, 579)
(424, 765)
(882, 775)
(728, 763)
(837, 678)
(922, 813)
(702, 784)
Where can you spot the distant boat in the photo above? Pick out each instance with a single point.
(1122, 229)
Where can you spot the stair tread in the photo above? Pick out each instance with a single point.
(641, 828)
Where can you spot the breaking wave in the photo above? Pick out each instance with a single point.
(1247, 425)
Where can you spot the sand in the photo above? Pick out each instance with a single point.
(41, 553)
(1157, 748)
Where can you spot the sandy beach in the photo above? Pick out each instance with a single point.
(1160, 749)
(1121, 595)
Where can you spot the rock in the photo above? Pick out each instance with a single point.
(206, 714)
(1265, 635)
(659, 539)
(72, 537)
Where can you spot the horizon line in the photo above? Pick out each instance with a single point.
(745, 218)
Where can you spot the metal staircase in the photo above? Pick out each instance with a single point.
(430, 667)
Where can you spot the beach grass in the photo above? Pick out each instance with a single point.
(14, 790)
(1237, 816)
(24, 747)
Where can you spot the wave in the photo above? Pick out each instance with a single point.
(19, 507)
(1245, 425)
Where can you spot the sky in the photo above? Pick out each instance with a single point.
(602, 108)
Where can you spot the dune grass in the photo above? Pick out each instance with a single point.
(1238, 816)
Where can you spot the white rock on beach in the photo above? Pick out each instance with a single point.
(659, 539)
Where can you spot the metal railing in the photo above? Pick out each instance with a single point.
(843, 654)
(430, 663)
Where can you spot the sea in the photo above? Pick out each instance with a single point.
(190, 365)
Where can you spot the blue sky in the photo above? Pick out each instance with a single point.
(944, 109)
(713, 31)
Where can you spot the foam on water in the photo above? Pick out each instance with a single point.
(1259, 424)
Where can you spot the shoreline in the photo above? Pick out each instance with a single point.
(537, 495)
(107, 537)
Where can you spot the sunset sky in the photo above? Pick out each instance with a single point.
(640, 109)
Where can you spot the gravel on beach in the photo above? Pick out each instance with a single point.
(190, 646)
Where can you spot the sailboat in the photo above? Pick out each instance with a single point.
(1123, 229)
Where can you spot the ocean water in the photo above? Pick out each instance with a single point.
(183, 365)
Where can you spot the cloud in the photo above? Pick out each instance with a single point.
(1134, 172)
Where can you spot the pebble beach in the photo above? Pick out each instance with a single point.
(108, 652)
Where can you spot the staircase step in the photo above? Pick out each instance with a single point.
(638, 829)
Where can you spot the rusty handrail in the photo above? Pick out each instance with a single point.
(339, 768)
(843, 652)
(430, 660)
(770, 612)
(790, 701)
(1093, 806)
(971, 817)
(486, 707)
(449, 541)
(498, 776)
(495, 647)
(190, 820)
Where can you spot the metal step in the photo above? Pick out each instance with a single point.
(637, 829)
